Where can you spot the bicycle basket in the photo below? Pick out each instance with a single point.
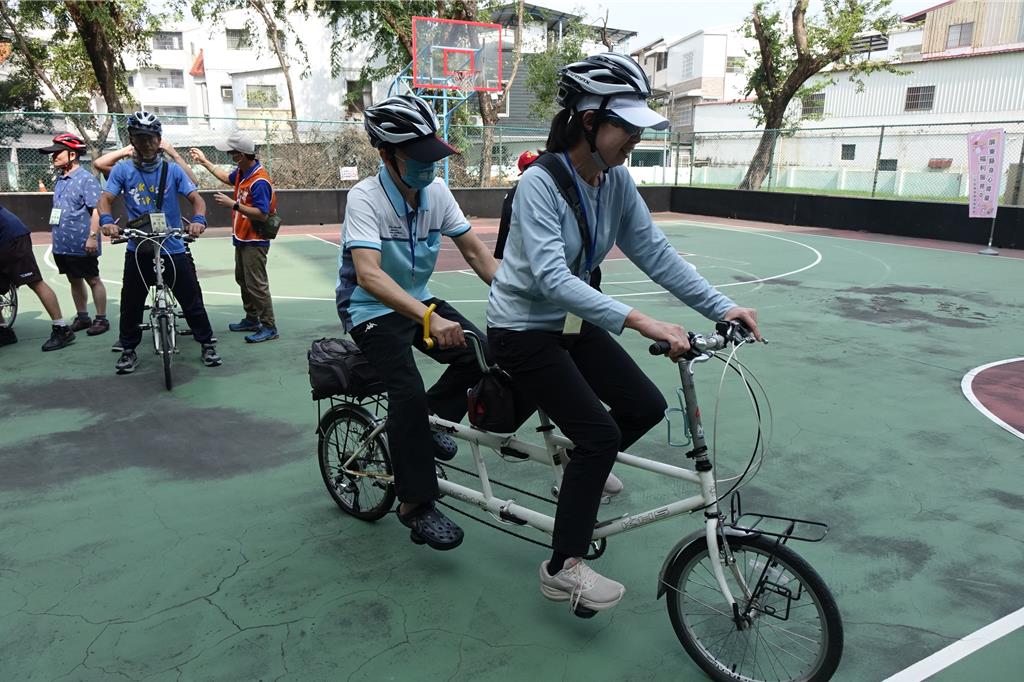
(338, 367)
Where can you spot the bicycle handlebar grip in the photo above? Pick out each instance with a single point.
(428, 340)
(659, 348)
(118, 240)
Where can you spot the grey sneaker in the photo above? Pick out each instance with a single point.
(580, 585)
(209, 355)
(612, 485)
(127, 363)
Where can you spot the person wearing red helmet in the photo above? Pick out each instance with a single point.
(75, 223)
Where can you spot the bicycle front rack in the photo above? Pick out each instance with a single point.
(784, 528)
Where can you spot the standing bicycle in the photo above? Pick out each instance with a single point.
(163, 308)
(151, 186)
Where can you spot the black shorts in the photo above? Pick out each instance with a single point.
(17, 262)
(79, 267)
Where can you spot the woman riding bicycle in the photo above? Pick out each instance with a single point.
(550, 331)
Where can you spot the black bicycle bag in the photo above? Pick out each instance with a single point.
(338, 367)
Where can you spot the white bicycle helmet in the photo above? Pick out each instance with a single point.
(408, 123)
(606, 75)
(145, 122)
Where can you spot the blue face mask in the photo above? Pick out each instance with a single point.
(418, 174)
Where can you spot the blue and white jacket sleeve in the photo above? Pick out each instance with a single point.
(360, 229)
(536, 214)
(649, 248)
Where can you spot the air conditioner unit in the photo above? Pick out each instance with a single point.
(225, 92)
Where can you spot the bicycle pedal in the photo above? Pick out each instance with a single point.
(146, 307)
(584, 612)
(416, 538)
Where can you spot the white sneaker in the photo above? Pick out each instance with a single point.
(580, 585)
(612, 485)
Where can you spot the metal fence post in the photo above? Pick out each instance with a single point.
(269, 161)
(677, 143)
(1015, 197)
(878, 159)
(693, 155)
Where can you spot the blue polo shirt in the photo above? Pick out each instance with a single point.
(409, 240)
(76, 195)
(140, 190)
(11, 226)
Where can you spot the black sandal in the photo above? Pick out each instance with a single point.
(429, 526)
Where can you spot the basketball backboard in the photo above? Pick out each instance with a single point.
(456, 55)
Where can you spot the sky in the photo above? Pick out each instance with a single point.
(653, 19)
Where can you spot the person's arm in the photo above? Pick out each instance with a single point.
(91, 198)
(198, 223)
(371, 277)
(105, 163)
(93, 240)
(477, 255)
(106, 220)
(216, 171)
(176, 157)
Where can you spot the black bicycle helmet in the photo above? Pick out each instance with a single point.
(145, 122)
(607, 74)
(399, 119)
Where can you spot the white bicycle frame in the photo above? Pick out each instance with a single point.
(554, 453)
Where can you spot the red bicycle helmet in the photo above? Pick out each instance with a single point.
(62, 141)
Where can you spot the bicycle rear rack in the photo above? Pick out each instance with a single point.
(784, 528)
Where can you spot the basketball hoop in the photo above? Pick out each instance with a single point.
(465, 83)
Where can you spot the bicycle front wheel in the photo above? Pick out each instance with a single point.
(9, 305)
(356, 469)
(791, 630)
(166, 348)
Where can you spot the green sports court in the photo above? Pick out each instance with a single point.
(187, 535)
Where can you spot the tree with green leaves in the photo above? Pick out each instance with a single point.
(386, 26)
(542, 68)
(788, 55)
(83, 51)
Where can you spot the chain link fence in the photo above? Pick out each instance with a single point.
(913, 162)
(925, 162)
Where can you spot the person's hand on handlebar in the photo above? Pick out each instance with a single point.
(656, 330)
(748, 316)
(110, 230)
(448, 334)
(195, 229)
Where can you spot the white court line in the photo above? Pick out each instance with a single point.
(325, 241)
(946, 657)
(965, 386)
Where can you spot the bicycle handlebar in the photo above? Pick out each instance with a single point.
(128, 233)
(733, 332)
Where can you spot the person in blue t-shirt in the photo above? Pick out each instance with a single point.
(75, 224)
(18, 266)
(139, 181)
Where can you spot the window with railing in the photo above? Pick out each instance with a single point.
(849, 152)
(920, 98)
(262, 96)
(163, 79)
(238, 38)
(169, 111)
(960, 35)
(661, 62)
(813, 105)
(165, 40)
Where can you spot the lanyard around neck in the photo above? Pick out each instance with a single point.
(589, 236)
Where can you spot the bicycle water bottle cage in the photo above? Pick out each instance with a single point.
(681, 410)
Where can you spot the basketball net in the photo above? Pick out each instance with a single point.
(465, 83)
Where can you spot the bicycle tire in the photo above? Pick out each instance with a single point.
(9, 306)
(166, 349)
(780, 620)
(341, 431)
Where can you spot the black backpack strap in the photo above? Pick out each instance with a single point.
(563, 180)
(163, 184)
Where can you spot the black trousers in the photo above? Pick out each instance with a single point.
(387, 343)
(180, 274)
(570, 377)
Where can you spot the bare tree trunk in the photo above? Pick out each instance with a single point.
(105, 63)
(761, 163)
(275, 35)
(487, 112)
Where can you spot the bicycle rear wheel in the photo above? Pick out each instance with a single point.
(363, 487)
(166, 348)
(9, 305)
(792, 628)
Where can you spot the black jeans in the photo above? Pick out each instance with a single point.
(180, 274)
(570, 377)
(387, 343)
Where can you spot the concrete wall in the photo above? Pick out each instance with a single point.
(930, 220)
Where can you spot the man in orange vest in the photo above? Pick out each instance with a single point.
(254, 199)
